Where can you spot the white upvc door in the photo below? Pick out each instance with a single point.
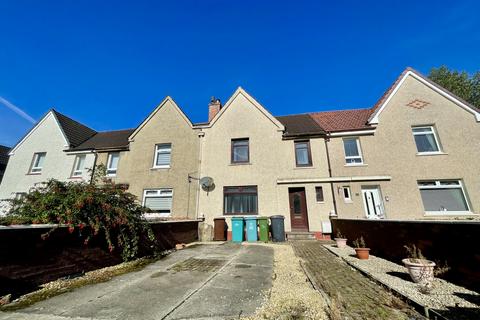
(372, 200)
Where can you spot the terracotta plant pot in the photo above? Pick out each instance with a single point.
(341, 242)
(362, 253)
(420, 270)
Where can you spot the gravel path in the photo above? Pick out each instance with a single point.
(451, 301)
(291, 295)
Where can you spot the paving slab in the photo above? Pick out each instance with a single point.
(203, 281)
(356, 296)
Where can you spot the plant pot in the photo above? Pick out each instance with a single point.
(341, 242)
(420, 270)
(362, 253)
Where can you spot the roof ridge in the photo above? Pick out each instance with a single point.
(103, 131)
(342, 110)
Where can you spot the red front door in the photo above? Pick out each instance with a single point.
(298, 209)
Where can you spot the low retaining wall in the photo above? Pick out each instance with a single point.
(26, 261)
(453, 242)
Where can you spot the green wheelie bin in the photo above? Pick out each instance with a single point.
(263, 228)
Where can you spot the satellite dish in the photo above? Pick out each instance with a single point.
(207, 184)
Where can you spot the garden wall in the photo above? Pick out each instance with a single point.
(26, 261)
(454, 242)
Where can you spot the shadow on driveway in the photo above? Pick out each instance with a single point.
(206, 281)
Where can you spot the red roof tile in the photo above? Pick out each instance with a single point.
(343, 120)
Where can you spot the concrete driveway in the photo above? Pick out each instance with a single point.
(210, 281)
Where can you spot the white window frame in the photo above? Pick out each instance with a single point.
(359, 149)
(148, 193)
(166, 150)
(33, 168)
(78, 172)
(349, 198)
(435, 137)
(112, 172)
(438, 185)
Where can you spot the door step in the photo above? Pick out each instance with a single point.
(299, 235)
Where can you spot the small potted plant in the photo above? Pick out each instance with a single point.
(419, 268)
(340, 240)
(361, 250)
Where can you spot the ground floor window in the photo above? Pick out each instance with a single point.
(159, 201)
(319, 194)
(347, 197)
(240, 200)
(443, 196)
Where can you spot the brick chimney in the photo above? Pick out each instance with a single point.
(213, 108)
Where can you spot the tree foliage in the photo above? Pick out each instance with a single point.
(460, 83)
(101, 205)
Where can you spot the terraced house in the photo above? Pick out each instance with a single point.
(410, 156)
(40, 155)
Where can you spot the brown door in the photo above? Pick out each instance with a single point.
(298, 209)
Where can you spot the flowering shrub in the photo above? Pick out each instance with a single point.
(103, 206)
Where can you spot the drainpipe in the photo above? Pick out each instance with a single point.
(201, 134)
(327, 139)
(94, 166)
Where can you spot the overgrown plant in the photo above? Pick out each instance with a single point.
(359, 243)
(103, 206)
(339, 234)
(414, 254)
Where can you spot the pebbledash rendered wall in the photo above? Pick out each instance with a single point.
(452, 242)
(46, 137)
(271, 158)
(391, 151)
(28, 261)
(166, 124)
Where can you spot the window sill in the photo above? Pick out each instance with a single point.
(33, 174)
(449, 213)
(76, 177)
(348, 201)
(320, 202)
(240, 164)
(226, 215)
(303, 167)
(160, 168)
(111, 175)
(356, 165)
(431, 154)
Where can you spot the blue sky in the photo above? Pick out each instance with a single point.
(109, 63)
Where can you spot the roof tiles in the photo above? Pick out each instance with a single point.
(117, 139)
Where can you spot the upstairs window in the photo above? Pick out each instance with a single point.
(163, 155)
(78, 165)
(112, 163)
(443, 196)
(353, 153)
(303, 156)
(37, 162)
(159, 201)
(240, 200)
(240, 151)
(426, 140)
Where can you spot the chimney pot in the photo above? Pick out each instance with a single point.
(213, 108)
